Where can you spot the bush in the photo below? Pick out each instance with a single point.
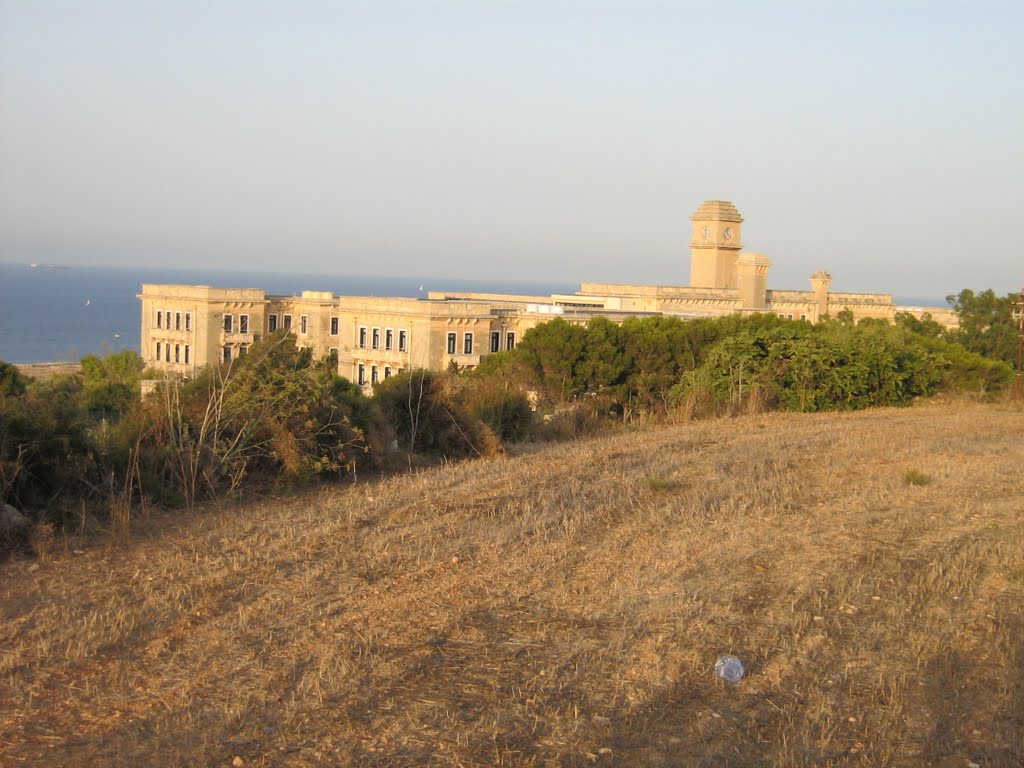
(46, 455)
(110, 386)
(428, 417)
(916, 477)
(269, 417)
(499, 403)
(830, 366)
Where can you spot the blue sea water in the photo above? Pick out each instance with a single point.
(61, 315)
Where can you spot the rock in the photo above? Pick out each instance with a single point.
(12, 520)
(237, 762)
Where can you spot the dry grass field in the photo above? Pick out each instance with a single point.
(563, 607)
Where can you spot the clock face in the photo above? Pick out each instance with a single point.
(728, 233)
(706, 233)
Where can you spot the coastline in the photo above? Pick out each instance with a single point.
(47, 371)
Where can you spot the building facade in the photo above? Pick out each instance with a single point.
(185, 328)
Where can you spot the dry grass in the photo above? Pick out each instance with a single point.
(560, 608)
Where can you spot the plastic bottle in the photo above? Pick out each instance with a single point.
(729, 668)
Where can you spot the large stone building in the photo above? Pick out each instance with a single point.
(187, 327)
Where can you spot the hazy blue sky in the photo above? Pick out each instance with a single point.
(564, 140)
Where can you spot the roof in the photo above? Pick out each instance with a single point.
(716, 210)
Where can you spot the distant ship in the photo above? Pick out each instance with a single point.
(33, 265)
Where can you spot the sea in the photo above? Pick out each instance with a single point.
(51, 314)
(56, 314)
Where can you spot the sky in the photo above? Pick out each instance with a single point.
(555, 140)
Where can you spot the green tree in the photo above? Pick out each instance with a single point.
(12, 383)
(605, 362)
(923, 326)
(986, 324)
(830, 366)
(553, 352)
(46, 457)
(111, 385)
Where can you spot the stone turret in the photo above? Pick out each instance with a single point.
(715, 245)
(820, 283)
(752, 279)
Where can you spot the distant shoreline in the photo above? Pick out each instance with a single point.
(47, 371)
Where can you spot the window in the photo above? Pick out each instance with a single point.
(803, 317)
(177, 353)
(167, 317)
(177, 321)
(332, 355)
(186, 354)
(387, 371)
(304, 324)
(334, 326)
(167, 353)
(188, 321)
(243, 350)
(451, 343)
(227, 354)
(158, 350)
(361, 374)
(495, 341)
(376, 338)
(467, 343)
(362, 337)
(373, 374)
(159, 320)
(227, 323)
(389, 339)
(510, 340)
(243, 323)
(271, 323)
(403, 341)
(287, 322)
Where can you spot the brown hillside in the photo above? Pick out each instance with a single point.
(561, 608)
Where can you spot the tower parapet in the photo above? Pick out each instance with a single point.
(752, 279)
(820, 283)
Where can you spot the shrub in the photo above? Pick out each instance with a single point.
(46, 457)
(831, 366)
(110, 385)
(916, 477)
(427, 416)
(502, 407)
(269, 417)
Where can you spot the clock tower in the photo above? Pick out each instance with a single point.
(715, 245)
